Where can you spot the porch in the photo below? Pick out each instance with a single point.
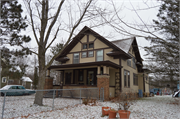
(88, 75)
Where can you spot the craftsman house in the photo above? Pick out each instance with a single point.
(91, 60)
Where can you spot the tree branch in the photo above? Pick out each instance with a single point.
(32, 21)
(53, 22)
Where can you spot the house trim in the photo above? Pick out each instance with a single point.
(104, 63)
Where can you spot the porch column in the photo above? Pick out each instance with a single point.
(107, 70)
(98, 70)
(48, 73)
(103, 82)
(104, 69)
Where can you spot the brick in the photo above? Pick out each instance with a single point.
(103, 82)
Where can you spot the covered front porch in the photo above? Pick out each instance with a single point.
(87, 75)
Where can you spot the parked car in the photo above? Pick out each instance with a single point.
(15, 90)
(155, 91)
(176, 93)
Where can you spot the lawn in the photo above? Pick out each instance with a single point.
(157, 107)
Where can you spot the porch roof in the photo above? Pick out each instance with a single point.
(98, 63)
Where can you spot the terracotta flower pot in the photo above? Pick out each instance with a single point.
(112, 114)
(123, 114)
(105, 111)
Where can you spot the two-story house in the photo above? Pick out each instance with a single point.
(91, 60)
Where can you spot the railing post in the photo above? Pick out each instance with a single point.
(103, 93)
(98, 94)
(53, 99)
(80, 96)
(3, 106)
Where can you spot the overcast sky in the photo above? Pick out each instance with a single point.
(127, 13)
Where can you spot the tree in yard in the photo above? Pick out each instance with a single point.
(13, 65)
(163, 35)
(165, 51)
(46, 23)
(35, 81)
(11, 23)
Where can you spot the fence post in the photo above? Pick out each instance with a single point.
(80, 96)
(53, 99)
(3, 106)
(98, 97)
(103, 93)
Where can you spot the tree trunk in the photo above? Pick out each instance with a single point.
(42, 74)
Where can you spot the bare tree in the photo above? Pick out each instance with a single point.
(50, 18)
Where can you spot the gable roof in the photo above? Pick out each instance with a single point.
(125, 45)
(85, 31)
(26, 79)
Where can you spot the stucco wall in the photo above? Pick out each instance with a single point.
(112, 77)
(76, 48)
(97, 45)
(91, 38)
(140, 81)
(106, 57)
(111, 92)
(131, 70)
(147, 84)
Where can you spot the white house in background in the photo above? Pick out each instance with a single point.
(26, 82)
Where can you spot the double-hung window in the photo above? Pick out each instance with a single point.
(134, 63)
(76, 58)
(129, 62)
(135, 79)
(84, 54)
(126, 78)
(90, 53)
(99, 55)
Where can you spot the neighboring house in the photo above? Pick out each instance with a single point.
(11, 81)
(90, 60)
(26, 82)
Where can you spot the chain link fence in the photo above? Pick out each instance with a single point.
(18, 103)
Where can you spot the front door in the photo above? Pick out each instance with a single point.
(68, 78)
(90, 77)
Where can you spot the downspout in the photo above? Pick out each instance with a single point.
(143, 83)
(120, 75)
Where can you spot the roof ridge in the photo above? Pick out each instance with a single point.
(123, 39)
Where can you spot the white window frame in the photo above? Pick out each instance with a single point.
(4, 79)
(74, 62)
(102, 56)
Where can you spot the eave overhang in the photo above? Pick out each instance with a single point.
(118, 54)
(62, 59)
(98, 63)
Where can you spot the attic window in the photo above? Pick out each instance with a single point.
(84, 46)
(91, 45)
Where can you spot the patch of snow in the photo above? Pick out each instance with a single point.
(17, 68)
(26, 79)
(157, 107)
